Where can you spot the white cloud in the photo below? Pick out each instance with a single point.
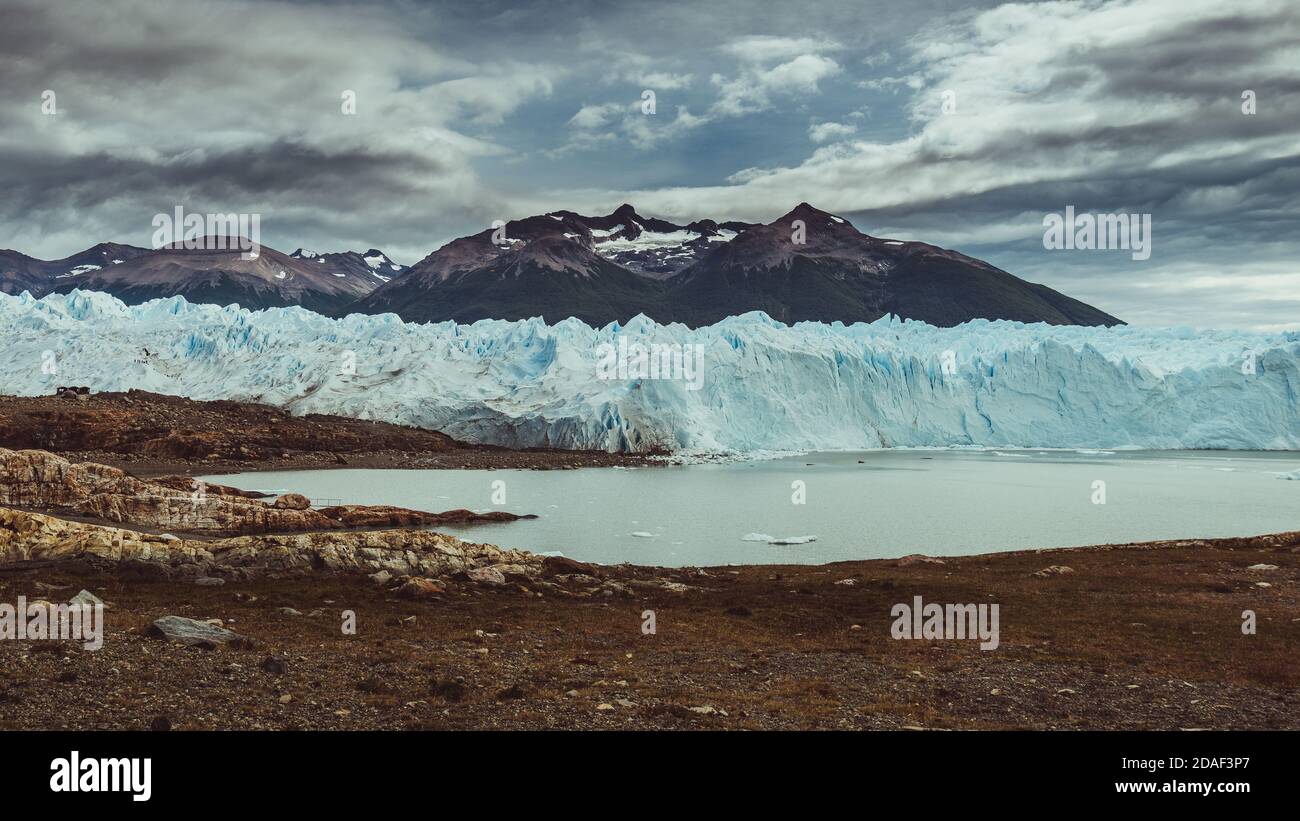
(664, 80)
(119, 88)
(1012, 126)
(596, 116)
(767, 48)
(753, 89)
(826, 132)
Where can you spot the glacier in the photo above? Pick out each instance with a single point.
(766, 387)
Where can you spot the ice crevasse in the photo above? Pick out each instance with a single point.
(765, 385)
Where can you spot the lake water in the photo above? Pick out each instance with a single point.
(859, 505)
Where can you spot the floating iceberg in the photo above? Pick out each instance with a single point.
(766, 386)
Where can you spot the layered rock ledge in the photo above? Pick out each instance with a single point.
(414, 564)
(44, 481)
(27, 537)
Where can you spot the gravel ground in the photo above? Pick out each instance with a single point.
(1133, 638)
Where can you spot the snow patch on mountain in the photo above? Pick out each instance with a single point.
(766, 386)
(79, 270)
(646, 241)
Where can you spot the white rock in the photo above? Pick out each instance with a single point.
(86, 599)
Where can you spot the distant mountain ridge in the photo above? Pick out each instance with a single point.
(807, 265)
(373, 263)
(216, 274)
(19, 272)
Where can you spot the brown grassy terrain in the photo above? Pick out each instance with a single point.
(151, 434)
(1135, 638)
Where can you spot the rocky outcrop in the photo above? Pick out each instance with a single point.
(418, 565)
(35, 478)
(43, 481)
(217, 515)
(389, 516)
(27, 538)
(186, 483)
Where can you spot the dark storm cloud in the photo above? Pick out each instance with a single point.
(283, 174)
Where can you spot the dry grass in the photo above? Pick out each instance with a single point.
(1133, 639)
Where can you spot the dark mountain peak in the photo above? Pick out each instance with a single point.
(624, 210)
(554, 275)
(556, 224)
(831, 271)
(214, 243)
(555, 252)
(371, 264)
(780, 243)
(105, 249)
(736, 225)
(815, 216)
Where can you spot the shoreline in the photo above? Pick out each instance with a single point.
(152, 435)
(1257, 541)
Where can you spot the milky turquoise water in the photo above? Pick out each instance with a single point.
(858, 505)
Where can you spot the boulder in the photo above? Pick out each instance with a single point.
(417, 588)
(486, 575)
(563, 565)
(86, 599)
(1054, 570)
(276, 665)
(194, 633)
(917, 558)
(292, 501)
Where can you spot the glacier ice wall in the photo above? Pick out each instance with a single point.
(766, 386)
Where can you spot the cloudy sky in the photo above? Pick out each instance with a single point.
(475, 111)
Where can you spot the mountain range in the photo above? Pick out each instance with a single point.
(325, 283)
(806, 265)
